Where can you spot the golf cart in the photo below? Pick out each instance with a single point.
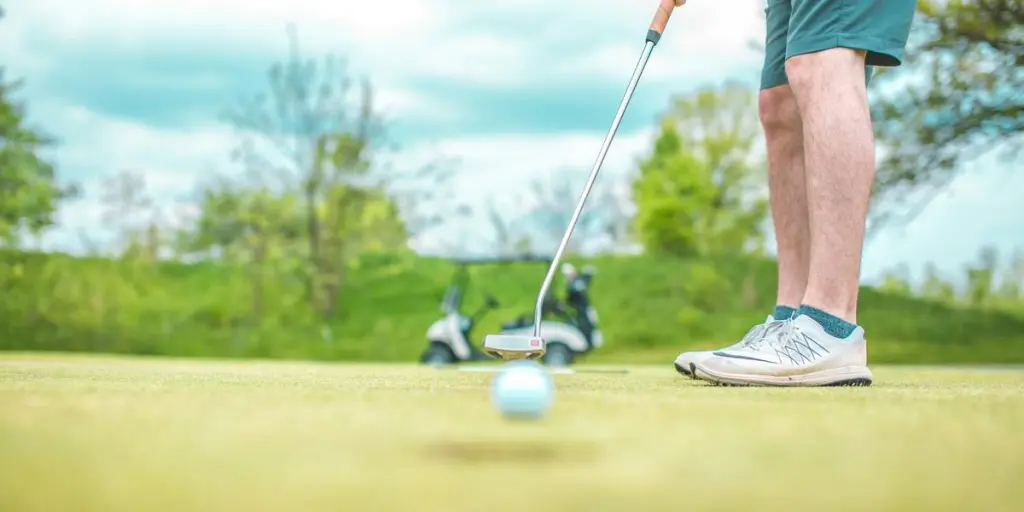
(570, 325)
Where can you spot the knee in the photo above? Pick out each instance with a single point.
(800, 71)
(778, 109)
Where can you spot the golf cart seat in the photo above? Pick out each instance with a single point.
(551, 305)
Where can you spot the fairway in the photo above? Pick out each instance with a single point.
(120, 434)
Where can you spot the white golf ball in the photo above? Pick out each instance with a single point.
(523, 390)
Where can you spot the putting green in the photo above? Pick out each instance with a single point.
(113, 434)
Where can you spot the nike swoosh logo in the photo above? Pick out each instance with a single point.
(734, 356)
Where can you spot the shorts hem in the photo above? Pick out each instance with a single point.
(774, 81)
(880, 51)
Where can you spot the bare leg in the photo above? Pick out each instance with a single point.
(780, 118)
(830, 89)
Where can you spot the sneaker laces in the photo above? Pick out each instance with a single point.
(785, 339)
(773, 332)
(753, 335)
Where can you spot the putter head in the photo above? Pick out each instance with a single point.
(509, 347)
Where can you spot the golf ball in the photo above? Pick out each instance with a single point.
(523, 390)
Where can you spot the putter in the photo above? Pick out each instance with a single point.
(512, 347)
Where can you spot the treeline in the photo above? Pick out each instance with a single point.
(206, 309)
(990, 282)
(134, 304)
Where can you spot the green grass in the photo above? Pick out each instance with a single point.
(113, 434)
(651, 308)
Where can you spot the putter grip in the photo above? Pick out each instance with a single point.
(660, 21)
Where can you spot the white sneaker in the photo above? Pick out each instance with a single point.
(800, 354)
(684, 363)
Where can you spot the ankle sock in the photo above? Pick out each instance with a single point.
(833, 325)
(783, 312)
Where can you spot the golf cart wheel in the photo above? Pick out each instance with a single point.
(557, 354)
(438, 354)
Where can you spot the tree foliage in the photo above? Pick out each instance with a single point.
(310, 144)
(991, 281)
(29, 191)
(896, 281)
(959, 95)
(534, 220)
(701, 189)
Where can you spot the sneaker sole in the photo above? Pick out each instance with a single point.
(684, 370)
(853, 376)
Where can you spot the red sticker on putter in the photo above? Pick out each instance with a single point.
(534, 342)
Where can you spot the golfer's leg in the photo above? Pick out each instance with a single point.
(780, 119)
(781, 122)
(829, 45)
(785, 165)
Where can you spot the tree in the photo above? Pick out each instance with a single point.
(897, 281)
(234, 219)
(551, 202)
(315, 135)
(127, 203)
(29, 192)
(934, 287)
(535, 220)
(981, 277)
(508, 240)
(264, 230)
(357, 221)
(253, 226)
(701, 190)
(960, 95)
(1011, 286)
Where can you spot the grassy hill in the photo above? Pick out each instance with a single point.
(650, 309)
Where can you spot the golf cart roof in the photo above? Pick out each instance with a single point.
(502, 259)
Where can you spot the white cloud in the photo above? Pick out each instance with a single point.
(704, 40)
(246, 23)
(980, 208)
(98, 147)
(421, 38)
(95, 148)
(497, 164)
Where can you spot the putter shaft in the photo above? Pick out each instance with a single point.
(550, 277)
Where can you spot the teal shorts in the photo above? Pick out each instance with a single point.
(796, 27)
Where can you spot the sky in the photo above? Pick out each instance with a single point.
(510, 92)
